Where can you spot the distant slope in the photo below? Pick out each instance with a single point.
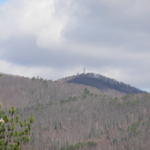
(23, 92)
(103, 83)
(71, 116)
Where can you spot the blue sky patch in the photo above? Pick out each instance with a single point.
(2, 1)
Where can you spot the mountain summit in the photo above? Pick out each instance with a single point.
(103, 83)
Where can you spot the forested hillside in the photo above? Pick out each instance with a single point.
(72, 116)
(21, 92)
(90, 121)
(102, 83)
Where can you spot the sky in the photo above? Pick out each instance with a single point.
(1, 1)
(57, 38)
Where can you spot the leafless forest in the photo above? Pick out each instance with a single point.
(76, 117)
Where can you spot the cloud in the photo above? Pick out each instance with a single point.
(47, 37)
(109, 23)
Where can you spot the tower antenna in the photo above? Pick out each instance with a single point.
(84, 70)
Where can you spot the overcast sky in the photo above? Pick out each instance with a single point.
(56, 38)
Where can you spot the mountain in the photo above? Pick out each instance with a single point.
(102, 83)
(73, 116)
(23, 92)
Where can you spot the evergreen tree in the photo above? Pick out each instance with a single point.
(14, 132)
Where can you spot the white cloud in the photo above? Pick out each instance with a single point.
(9, 68)
(106, 36)
(33, 18)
